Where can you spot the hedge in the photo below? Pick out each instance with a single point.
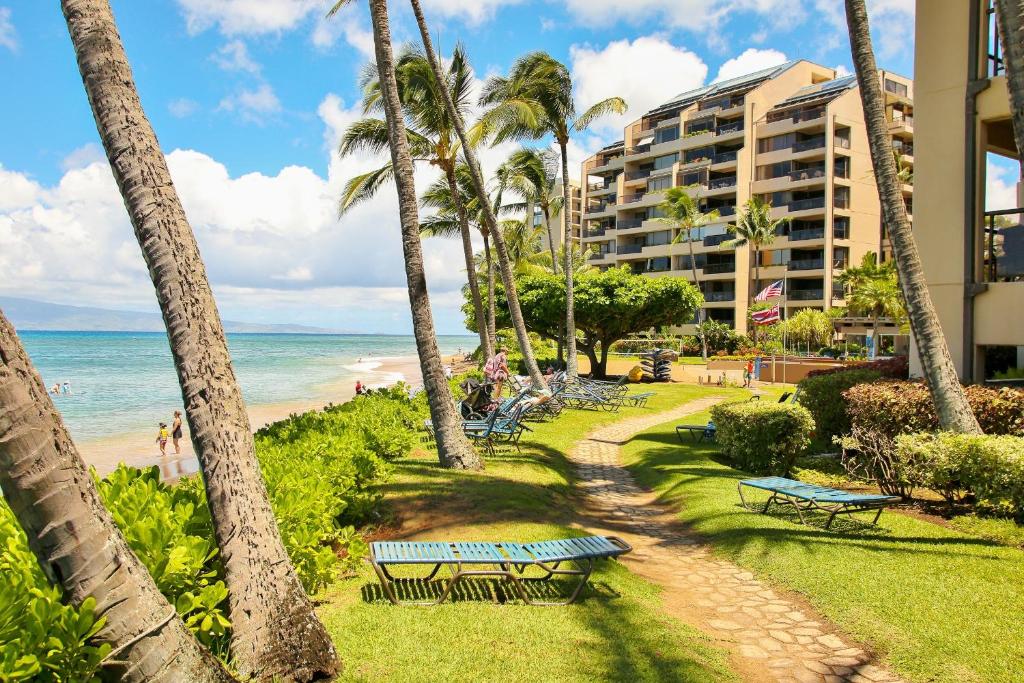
(822, 394)
(892, 368)
(904, 407)
(764, 438)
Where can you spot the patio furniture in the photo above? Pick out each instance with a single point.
(698, 432)
(806, 497)
(509, 561)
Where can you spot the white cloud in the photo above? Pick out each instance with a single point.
(247, 17)
(841, 70)
(472, 12)
(8, 34)
(234, 56)
(1001, 178)
(645, 72)
(273, 244)
(85, 155)
(749, 61)
(348, 25)
(253, 105)
(182, 107)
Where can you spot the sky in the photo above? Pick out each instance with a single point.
(249, 99)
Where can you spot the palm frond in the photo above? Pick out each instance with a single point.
(611, 105)
(363, 187)
(368, 136)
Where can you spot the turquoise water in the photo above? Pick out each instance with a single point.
(125, 381)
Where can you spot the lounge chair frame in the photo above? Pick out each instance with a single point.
(508, 561)
(807, 498)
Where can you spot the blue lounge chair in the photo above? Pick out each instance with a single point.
(698, 432)
(806, 497)
(504, 560)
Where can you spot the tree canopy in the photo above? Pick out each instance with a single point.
(610, 305)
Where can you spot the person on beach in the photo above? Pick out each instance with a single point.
(359, 388)
(176, 432)
(66, 388)
(447, 372)
(496, 370)
(161, 438)
(55, 389)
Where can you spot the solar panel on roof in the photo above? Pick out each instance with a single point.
(721, 88)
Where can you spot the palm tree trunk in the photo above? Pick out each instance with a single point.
(453, 448)
(1010, 17)
(73, 536)
(467, 252)
(490, 221)
(276, 633)
(570, 304)
(757, 283)
(491, 312)
(551, 239)
(951, 404)
(700, 311)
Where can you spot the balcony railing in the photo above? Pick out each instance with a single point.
(639, 149)
(722, 157)
(805, 294)
(718, 268)
(606, 160)
(805, 204)
(726, 210)
(598, 232)
(628, 223)
(807, 234)
(798, 116)
(809, 144)
(630, 248)
(903, 149)
(807, 264)
(632, 198)
(719, 183)
(729, 128)
(719, 296)
(596, 256)
(637, 175)
(840, 263)
(906, 120)
(591, 187)
(600, 207)
(807, 173)
(715, 240)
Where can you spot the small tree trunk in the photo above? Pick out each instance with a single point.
(467, 252)
(951, 404)
(595, 365)
(490, 221)
(491, 311)
(1010, 18)
(275, 631)
(570, 307)
(551, 238)
(700, 310)
(453, 448)
(75, 540)
(603, 363)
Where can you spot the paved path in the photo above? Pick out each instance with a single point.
(771, 636)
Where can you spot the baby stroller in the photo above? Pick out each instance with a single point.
(478, 402)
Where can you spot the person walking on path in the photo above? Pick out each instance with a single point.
(176, 432)
(496, 370)
(748, 373)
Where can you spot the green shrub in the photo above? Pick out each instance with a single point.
(823, 396)
(990, 467)
(765, 438)
(871, 455)
(904, 407)
(41, 639)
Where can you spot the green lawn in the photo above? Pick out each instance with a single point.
(940, 604)
(617, 631)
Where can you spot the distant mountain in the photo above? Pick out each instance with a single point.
(28, 314)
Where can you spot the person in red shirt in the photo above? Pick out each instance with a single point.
(748, 374)
(359, 388)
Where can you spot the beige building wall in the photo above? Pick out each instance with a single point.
(555, 221)
(952, 139)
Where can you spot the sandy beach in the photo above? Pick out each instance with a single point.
(139, 449)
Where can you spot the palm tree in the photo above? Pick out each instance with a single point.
(1010, 17)
(76, 541)
(755, 228)
(868, 270)
(476, 175)
(951, 404)
(275, 630)
(682, 213)
(526, 172)
(535, 100)
(877, 298)
(432, 140)
(453, 449)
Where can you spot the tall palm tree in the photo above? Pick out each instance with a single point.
(535, 100)
(755, 228)
(869, 269)
(76, 541)
(1010, 17)
(275, 630)
(951, 404)
(432, 140)
(490, 219)
(453, 449)
(526, 172)
(877, 298)
(683, 213)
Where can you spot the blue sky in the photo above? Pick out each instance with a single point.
(248, 98)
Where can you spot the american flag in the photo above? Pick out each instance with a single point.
(767, 316)
(771, 291)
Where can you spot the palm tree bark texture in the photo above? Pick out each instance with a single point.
(467, 251)
(75, 539)
(490, 221)
(275, 631)
(950, 400)
(1010, 17)
(454, 449)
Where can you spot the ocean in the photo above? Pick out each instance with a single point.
(125, 382)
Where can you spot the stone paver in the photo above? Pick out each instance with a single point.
(777, 638)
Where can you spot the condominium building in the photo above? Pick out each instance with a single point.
(555, 227)
(793, 135)
(971, 244)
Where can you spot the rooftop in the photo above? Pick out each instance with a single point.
(740, 83)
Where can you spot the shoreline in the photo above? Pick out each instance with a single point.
(139, 449)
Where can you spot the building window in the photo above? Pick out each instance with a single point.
(841, 197)
(894, 87)
(658, 184)
(995, 66)
(653, 239)
(1003, 246)
(699, 154)
(666, 134)
(842, 167)
(654, 212)
(665, 161)
(841, 227)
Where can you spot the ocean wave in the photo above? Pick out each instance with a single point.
(364, 365)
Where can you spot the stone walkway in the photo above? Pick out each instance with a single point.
(771, 637)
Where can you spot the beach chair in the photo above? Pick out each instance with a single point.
(504, 560)
(698, 432)
(807, 497)
(498, 428)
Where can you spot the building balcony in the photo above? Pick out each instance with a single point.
(601, 164)
(808, 234)
(626, 249)
(724, 157)
(716, 297)
(729, 129)
(715, 240)
(598, 232)
(638, 175)
(596, 210)
(719, 268)
(600, 255)
(809, 144)
(628, 223)
(805, 295)
(902, 125)
(722, 183)
(807, 264)
(807, 173)
(632, 198)
(806, 204)
(778, 123)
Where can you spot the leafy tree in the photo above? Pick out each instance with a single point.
(610, 306)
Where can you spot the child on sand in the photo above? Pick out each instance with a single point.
(161, 438)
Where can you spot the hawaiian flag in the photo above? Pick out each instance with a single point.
(771, 291)
(767, 316)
